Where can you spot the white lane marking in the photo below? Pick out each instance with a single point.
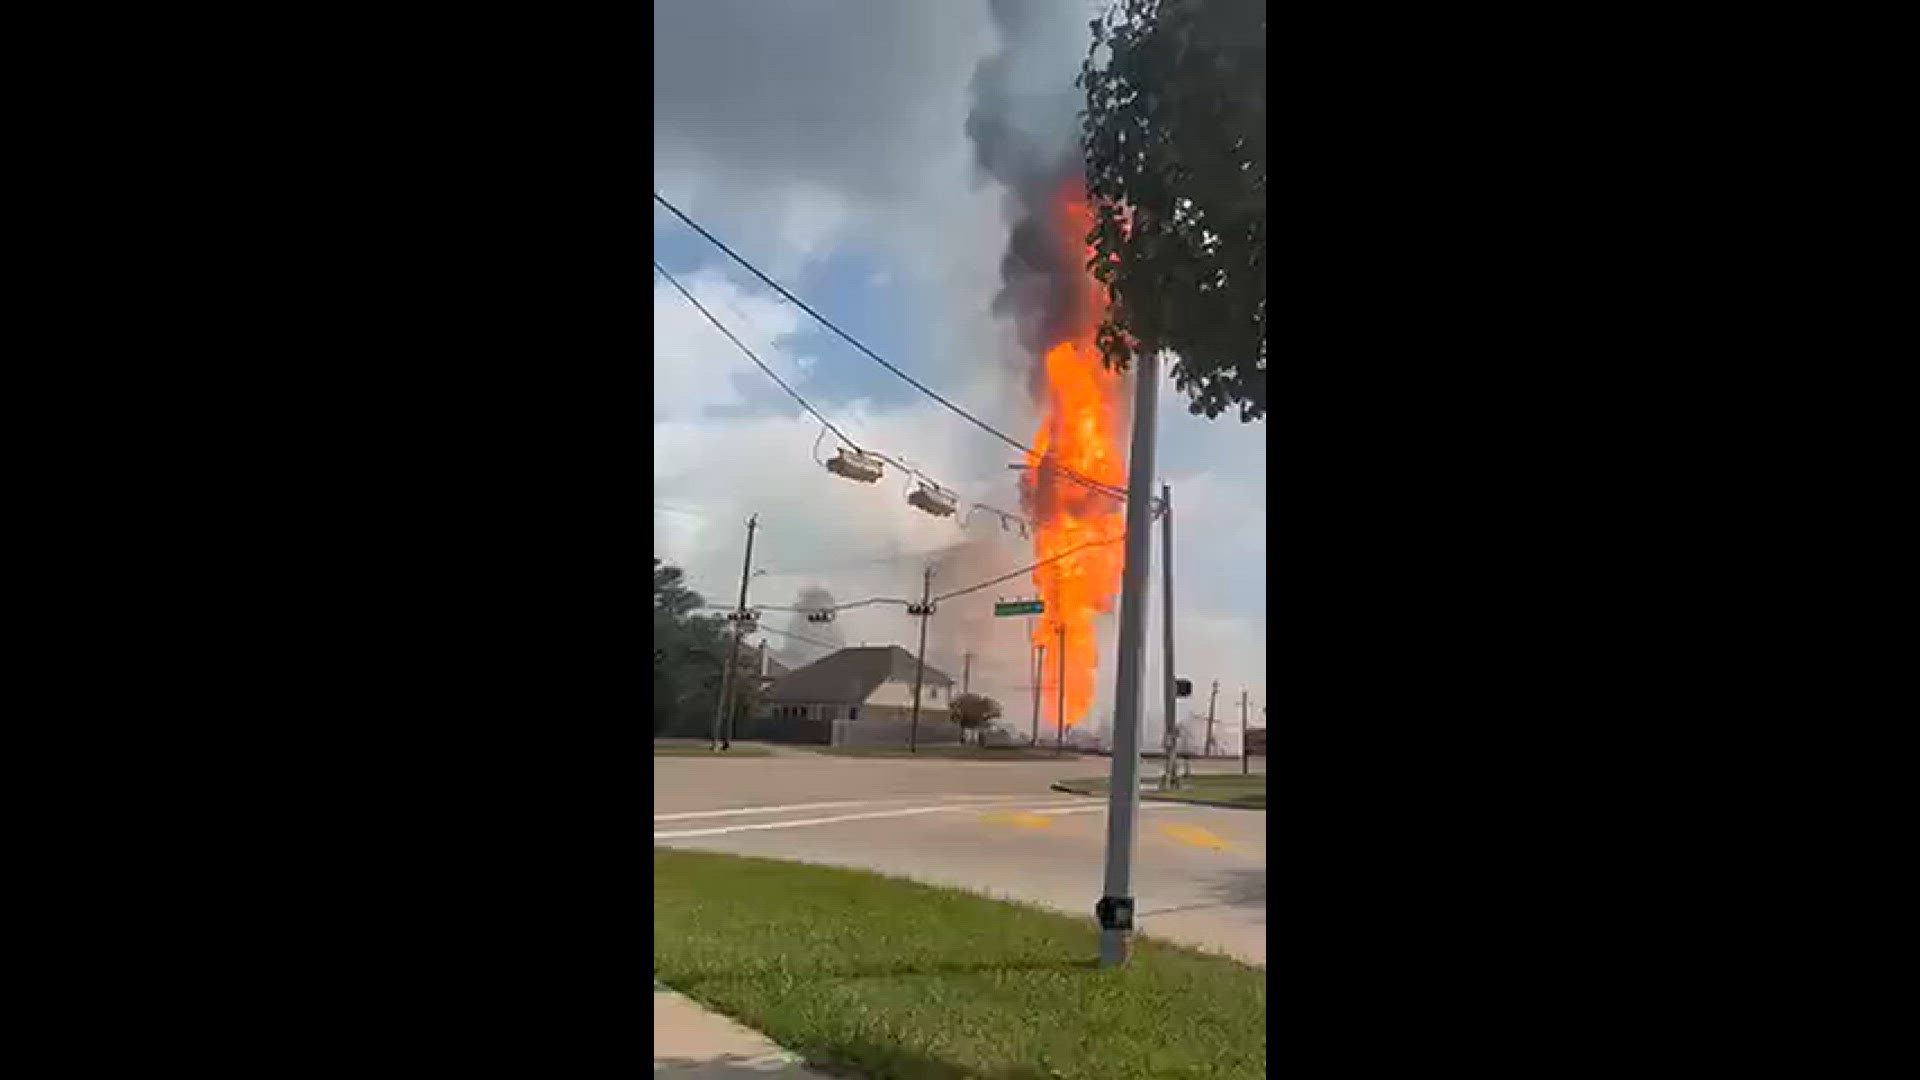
(806, 821)
(760, 810)
(736, 811)
(1098, 809)
(719, 830)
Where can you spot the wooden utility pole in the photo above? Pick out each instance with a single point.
(1243, 733)
(1208, 752)
(722, 731)
(966, 673)
(1060, 717)
(1039, 676)
(920, 663)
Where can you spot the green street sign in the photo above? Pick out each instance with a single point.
(1018, 607)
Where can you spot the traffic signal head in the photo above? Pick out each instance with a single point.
(1182, 688)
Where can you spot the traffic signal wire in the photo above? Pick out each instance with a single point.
(1076, 549)
(718, 325)
(802, 637)
(1095, 485)
(828, 425)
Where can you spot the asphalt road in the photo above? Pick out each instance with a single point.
(1200, 873)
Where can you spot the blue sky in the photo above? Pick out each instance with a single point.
(852, 284)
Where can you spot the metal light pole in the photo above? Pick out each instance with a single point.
(1115, 909)
(1170, 776)
(920, 664)
(721, 741)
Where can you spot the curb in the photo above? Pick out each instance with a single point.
(1158, 798)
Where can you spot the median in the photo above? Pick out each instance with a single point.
(1237, 792)
(704, 748)
(950, 752)
(886, 978)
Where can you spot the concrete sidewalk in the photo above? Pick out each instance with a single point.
(692, 1043)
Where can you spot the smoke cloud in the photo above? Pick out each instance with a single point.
(795, 653)
(1024, 128)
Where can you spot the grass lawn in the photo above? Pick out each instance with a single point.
(951, 752)
(703, 748)
(1245, 792)
(885, 978)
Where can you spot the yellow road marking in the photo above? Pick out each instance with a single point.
(1195, 835)
(1020, 817)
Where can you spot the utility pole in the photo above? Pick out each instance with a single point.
(1060, 690)
(1115, 909)
(722, 736)
(920, 664)
(966, 673)
(1208, 751)
(1039, 675)
(1170, 776)
(1243, 733)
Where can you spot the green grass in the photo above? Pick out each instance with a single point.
(704, 748)
(894, 980)
(951, 752)
(1243, 792)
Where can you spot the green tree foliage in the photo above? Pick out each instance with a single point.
(1175, 140)
(973, 712)
(689, 649)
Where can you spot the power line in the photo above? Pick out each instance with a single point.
(718, 325)
(877, 358)
(801, 637)
(829, 426)
(1076, 549)
(1025, 569)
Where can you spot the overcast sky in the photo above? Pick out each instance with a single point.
(825, 140)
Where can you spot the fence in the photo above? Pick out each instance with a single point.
(893, 732)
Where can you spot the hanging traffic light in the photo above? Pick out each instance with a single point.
(933, 499)
(855, 465)
(819, 616)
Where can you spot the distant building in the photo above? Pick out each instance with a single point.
(857, 697)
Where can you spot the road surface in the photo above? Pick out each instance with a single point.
(1200, 873)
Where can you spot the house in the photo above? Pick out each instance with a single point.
(858, 696)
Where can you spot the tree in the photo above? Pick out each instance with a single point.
(974, 711)
(688, 649)
(1174, 135)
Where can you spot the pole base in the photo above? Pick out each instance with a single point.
(1115, 914)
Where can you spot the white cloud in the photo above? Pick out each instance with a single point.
(695, 366)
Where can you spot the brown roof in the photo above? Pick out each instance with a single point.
(850, 675)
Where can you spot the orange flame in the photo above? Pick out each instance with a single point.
(1085, 415)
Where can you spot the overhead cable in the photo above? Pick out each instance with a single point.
(1095, 485)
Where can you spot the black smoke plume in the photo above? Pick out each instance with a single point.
(1024, 127)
